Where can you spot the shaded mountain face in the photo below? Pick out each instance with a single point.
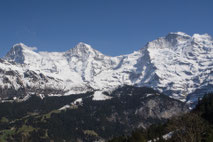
(178, 65)
(79, 117)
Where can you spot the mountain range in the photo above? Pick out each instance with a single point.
(178, 65)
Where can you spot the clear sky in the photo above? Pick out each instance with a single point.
(113, 27)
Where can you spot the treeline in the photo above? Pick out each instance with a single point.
(195, 126)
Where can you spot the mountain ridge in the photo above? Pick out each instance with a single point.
(177, 65)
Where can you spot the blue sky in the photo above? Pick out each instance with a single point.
(113, 27)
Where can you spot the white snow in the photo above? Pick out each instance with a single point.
(41, 96)
(77, 101)
(98, 96)
(147, 95)
(64, 107)
(165, 137)
(176, 62)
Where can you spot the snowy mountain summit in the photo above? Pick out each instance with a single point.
(178, 65)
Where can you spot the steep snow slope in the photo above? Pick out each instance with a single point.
(176, 64)
(18, 82)
(183, 63)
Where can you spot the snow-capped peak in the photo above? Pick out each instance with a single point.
(23, 47)
(179, 34)
(176, 65)
(84, 51)
(203, 40)
(19, 52)
(172, 40)
(82, 45)
(203, 36)
(177, 38)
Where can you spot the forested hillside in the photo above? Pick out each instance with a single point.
(80, 118)
(195, 126)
